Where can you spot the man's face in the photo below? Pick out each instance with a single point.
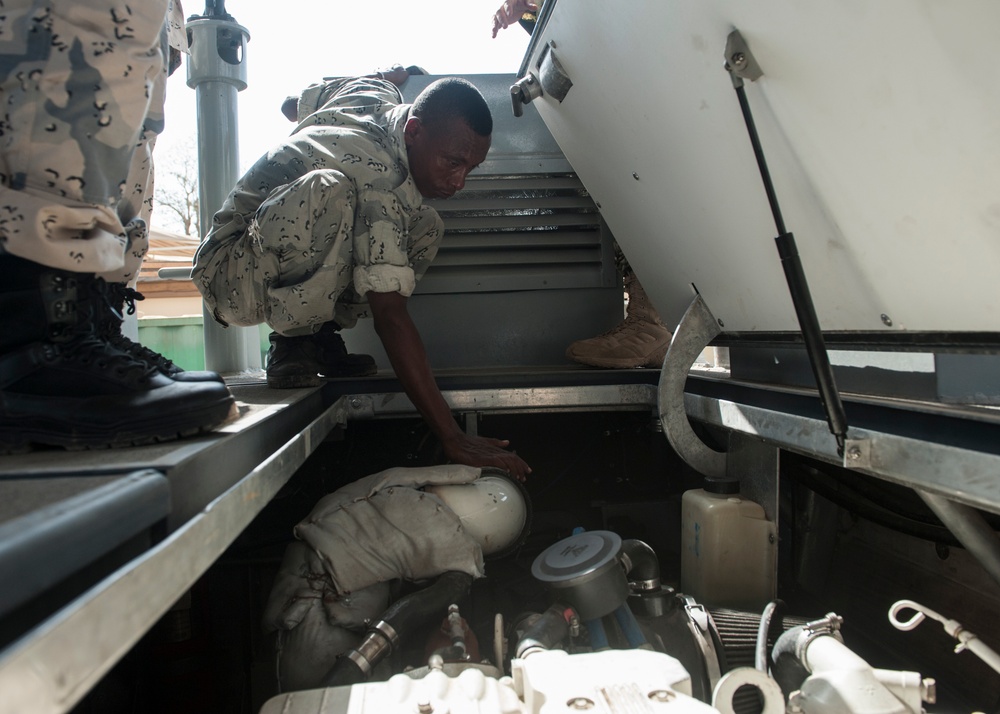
(442, 156)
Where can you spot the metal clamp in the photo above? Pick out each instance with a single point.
(700, 624)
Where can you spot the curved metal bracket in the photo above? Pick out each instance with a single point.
(697, 328)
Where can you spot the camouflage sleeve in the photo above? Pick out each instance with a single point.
(344, 92)
(381, 237)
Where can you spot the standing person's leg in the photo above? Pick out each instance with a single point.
(74, 82)
(640, 340)
(135, 211)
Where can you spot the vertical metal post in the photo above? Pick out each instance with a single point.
(217, 71)
(757, 466)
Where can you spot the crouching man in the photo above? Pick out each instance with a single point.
(329, 227)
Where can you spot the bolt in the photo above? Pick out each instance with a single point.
(721, 323)
(770, 537)
(635, 175)
(886, 320)
(661, 695)
(579, 703)
(854, 453)
(355, 403)
(739, 60)
(424, 708)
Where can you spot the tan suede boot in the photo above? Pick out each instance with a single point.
(640, 340)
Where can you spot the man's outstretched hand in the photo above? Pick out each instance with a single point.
(484, 451)
(510, 12)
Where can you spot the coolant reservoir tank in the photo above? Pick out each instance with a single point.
(728, 547)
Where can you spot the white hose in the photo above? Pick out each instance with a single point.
(966, 639)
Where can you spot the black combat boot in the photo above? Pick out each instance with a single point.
(61, 384)
(335, 360)
(294, 362)
(119, 300)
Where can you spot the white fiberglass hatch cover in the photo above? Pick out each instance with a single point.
(880, 122)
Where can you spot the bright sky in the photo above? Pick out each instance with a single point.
(296, 42)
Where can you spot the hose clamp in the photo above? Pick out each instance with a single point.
(700, 624)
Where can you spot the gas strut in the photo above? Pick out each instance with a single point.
(740, 63)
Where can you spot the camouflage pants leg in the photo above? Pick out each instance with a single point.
(136, 205)
(75, 84)
(293, 266)
(290, 264)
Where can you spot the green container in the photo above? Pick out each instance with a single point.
(182, 339)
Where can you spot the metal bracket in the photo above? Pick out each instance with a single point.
(697, 328)
(551, 80)
(739, 60)
(857, 453)
(555, 82)
(357, 406)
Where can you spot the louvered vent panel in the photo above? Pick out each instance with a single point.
(520, 233)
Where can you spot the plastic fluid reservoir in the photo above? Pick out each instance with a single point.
(728, 547)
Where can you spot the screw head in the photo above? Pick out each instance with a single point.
(738, 59)
(886, 320)
(854, 453)
(635, 175)
(355, 403)
(661, 695)
(580, 703)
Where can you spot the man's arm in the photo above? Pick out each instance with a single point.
(409, 360)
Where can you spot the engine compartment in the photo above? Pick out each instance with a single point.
(599, 471)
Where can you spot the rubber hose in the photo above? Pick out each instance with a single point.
(546, 632)
(413, 611)
(403, 616)
(344, 673)
(789, 670)
(775, 607)
(645, 567)
(629, 627)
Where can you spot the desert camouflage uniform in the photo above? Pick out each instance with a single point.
(76, 81)
(136, 205)
(322, 219)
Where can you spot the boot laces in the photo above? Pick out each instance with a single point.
(91, 349)
(129, 297)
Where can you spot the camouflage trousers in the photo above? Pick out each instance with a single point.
(81, 85)
(293, 267)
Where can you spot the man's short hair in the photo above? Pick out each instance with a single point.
(452, 97)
